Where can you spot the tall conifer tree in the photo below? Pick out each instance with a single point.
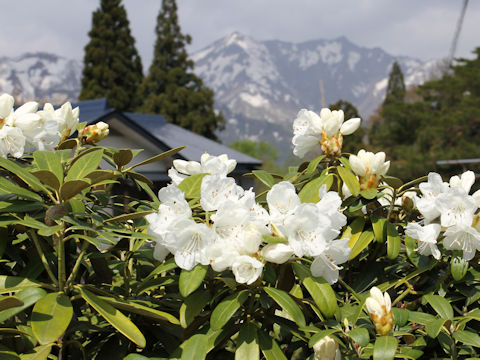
(112, 66)
(396, 85)
(171, 88)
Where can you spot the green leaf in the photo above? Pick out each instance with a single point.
(247, 343)
(312, 166)
(393, 241)
(97, 176)
(158, 157)
(23, 174)
(84, 165)
(9, 302)
(72, 187)
(49, 160)
(191, 186)
(47, 177)
(349, 179)
(354, 230)
(195, 348)
(369, 194)
(8, 187)
(122, 157)
(362, 243)
(440, 305)
(378, 225)
(139, 177)
(125, 217)
(393, 181)
(320, 290)
(7, 354)
(191, 280)
(420, 317)
(467, 337)
(133, 307)
(264, 177)
(269, 347)
(433, 327)
(309, 192)
(227, 308)
(114, 317)
(385, 348)
(360, 336)
(286, 302)
(16, 206)
(193, 306)
(40, 353)
(458, 267)
(400, 316)
(14, 283)
(28, 296)
(51, 316)
(166, 266)
(269, 239)
(319, 335)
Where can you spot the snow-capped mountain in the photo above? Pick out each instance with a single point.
(40, 76)
(269, 81)
(259, 85)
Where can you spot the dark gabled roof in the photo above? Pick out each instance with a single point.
(174, 136)
(170, 135)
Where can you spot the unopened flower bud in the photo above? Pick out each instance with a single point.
(326, 349)
(277, 253)
(379, 307)
(94, 133)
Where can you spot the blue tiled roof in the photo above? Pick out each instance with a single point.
(166, 133)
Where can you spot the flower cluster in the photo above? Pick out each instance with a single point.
(326, 130)
(448, 208)
(230, 232)
(28, 128)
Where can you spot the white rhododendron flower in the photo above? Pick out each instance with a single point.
(456, 207)
(66, 117)
(246, 269)
(216, 189)
(427, 238)
(327, 130)
(465, 181)
(326, 264)
(326, 349)
(6, 107)
(430, 191)
(462, 237)
(209, 164)
(282, 201)
(379, 306)
(12, 141)
(278, 253)
(369, 167)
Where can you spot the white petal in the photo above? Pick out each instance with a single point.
(357, 165)
(350, 126)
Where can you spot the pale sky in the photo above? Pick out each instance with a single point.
(422, 29)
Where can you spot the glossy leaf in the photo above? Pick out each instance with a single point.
(467, 337)
(227, 308)
(286, 302)
(9, 302)
(393, 181)
(85, 165)
(400, 316)
(114, 317)
(312, 166)
(349, 179)
(23, 174)
(40, 353)
(320, 290)
(385, 348)
(393, 241)
(360, 336)
(433, 327)
(369, 194)
(354, 230)
(158, 157)
(71, 188)
(48, 178)
(51, 316)
(264, 177)
(122, 157)
(14, 283)
(378, 225)
(133, 307)
(193, 306)
(8, 187)
(191, 280)
(125, 217)
(458, 267)
(309, 192)
(15, 206)
(28, 296)
(195, 348)
(191, 186)
(440, 305)
(7, 354)
(269, 239)
(247, 343)
(361, 243)
(49, 160)
(269, 347)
